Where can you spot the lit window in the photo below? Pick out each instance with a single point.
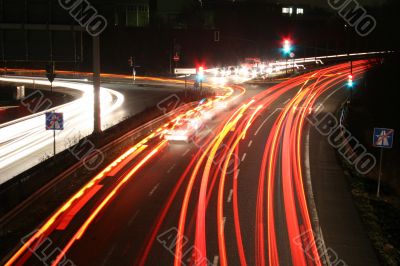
(299, 11)
(287, 10)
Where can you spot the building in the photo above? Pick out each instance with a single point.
(292, 10)
(133, 13)
(125, 13)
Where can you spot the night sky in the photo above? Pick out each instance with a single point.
(177, 5)
(321, 3)
(324, 3)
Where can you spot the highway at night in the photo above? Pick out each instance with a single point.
(199, 133)
(120, 99)
(237, 193)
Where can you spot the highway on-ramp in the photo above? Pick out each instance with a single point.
(25, 142)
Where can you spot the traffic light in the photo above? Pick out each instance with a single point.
(200, 73)
(350, 82)
(287, 46)
(50, 72)
(130, 61)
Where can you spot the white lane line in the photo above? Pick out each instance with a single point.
(250, 142)
(265, 121)
(133, 217)
(215, 260)
(237, 174)
(321, 104)
(172, 167)
(287, 101)
(330, 95)
(154, 189)
(244, 156)
(186, 152)
(109, 255)
(230, 196)
(223, 221)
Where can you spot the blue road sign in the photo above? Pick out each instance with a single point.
(383, 137)
(54, 121)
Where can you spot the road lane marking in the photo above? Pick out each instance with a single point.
(330, 95)
(244, 156)
(154, 189)
(237, 174)
(230, 196)
(287, 101)
(186, 152)
(223, 221)
(109, 255)
(265, 121)
(172, 167)
(133, 217)
(251, 142)
(319, 106)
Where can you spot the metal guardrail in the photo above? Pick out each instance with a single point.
(145, 127)
(39, 113)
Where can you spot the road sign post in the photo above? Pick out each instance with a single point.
(383, 139)
(186, 72)
(54, 121)
(379, 174)
(176, 58)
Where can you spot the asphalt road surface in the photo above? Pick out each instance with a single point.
(240, 194)
(25, 142)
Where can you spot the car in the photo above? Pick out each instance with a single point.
(184, 130)
(233, 71)
(208, 114)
